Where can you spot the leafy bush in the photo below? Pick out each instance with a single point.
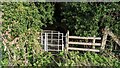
(23, 21)
(20, 31)
(88, 19)
(86, 59)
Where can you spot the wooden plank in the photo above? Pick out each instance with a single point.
(83, 49)
(114, 37)
(67, 40)
(105, 34)
(82, 43)
(78, 37)
(94, 43)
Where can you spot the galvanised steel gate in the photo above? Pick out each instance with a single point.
(52, 41)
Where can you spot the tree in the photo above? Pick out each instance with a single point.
(88, 19)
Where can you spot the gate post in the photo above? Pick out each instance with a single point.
(67, 40)
(62, 43)
(45, 41)
(42, 38)
(94, 42)
(105, 34)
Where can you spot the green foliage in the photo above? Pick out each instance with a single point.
(87, 59)
(21, 16)
(87, 19)
(21, 27)
(23, 21)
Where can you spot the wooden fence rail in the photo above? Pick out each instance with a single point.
(106, 32)
(77, 37)
(93, 43)
(83, 49)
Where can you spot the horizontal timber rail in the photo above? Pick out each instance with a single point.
(77, 37)
(83, 43)
(70, 45)
(83, 49)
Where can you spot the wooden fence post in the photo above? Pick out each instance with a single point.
(67, 40)
(94, 43)
(105, 34)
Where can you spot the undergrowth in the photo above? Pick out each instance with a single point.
(87, 59)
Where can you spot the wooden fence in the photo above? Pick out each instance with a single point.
(101, 44)
(79, 43)
(93, 43)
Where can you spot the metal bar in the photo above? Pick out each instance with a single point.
(53, 33)
(53, 45)
(54, 39)
(53, 50)
(49, 30)
(51, 37)
(45, 42)
(62, 43)
(58, 41)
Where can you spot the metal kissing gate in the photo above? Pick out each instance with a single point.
(52, 40)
